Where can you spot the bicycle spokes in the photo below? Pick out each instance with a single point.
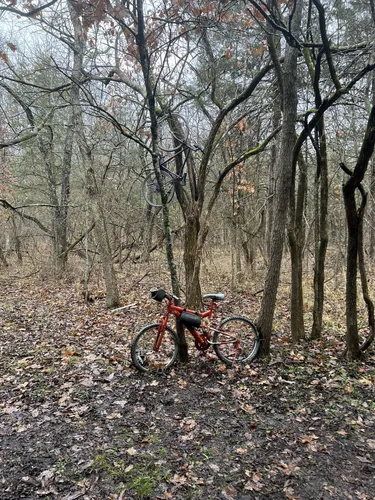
(236, 340)
(153, 349)
(229, 343)
(151, 188)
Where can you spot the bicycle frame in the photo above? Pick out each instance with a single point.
(163, 162)
(175, 177)
(176, 311)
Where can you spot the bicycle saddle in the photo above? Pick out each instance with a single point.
(214, 296)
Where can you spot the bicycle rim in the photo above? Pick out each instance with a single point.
(236, 341)
(151, 191)
(143, 353)
(173, 132)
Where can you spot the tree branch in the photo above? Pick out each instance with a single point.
(8, 206)
(30, 13)
(326, 44)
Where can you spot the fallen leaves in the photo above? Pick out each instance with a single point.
(113, 416)
(68, 395)
(255, 482)
(241, 451)
(308, 439)
(229, 493)
(178, 480)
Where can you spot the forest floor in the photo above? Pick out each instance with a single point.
(77, 421)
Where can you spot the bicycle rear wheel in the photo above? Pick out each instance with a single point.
(236, 341)
(143, 353)
(151, 189)
(173, 132)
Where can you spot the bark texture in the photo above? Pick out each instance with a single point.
(283, 187)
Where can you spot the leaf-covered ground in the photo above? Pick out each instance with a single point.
(77, 421)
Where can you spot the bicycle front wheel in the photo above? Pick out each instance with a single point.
(146, 356)
(151, 191)
(236, 341)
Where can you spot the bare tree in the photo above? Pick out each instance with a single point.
(283, 185)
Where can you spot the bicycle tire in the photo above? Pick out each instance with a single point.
(234, 330)
(151, 188)
(143, 356)
(171, 140)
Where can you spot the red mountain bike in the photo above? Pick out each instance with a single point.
(155, 347)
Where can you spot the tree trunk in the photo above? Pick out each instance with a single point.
(112, 299)
(352, 338)
(321, 230)
(238, 248)
(296, 234)
(62, 214)
(147, 230)
(102, 239)
(275, 51)
(45, 145)
(2, 258)
(283, 186)
(192, 259)
(353, 223)
(150, 92)
(372, 226)
(272, 178)
(363, 273)
(16, 240)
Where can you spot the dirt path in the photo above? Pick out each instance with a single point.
(77, 421)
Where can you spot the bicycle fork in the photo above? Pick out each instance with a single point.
(160, 335)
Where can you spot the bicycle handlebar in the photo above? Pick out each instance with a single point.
(159, 294)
